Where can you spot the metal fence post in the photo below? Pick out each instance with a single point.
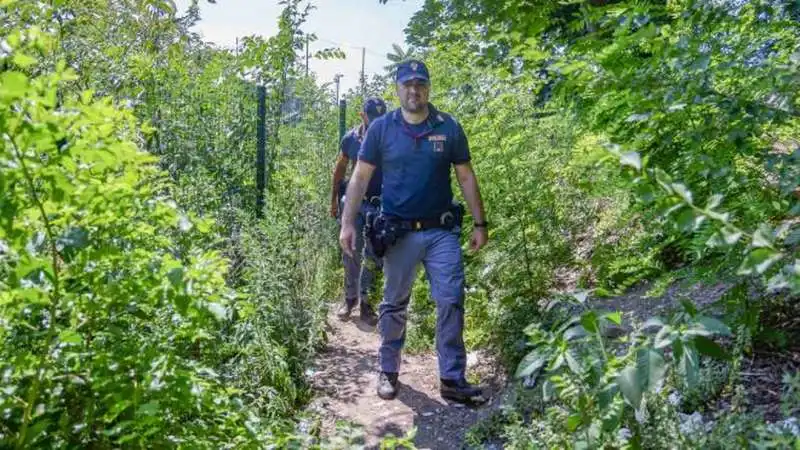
(342, 116)
(261, 150)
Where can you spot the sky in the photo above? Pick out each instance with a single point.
(346, 24)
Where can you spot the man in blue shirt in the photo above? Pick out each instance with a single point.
(415, 146)
(359, 269)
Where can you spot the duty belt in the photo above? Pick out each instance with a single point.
(446, 220)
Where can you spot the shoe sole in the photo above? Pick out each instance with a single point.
(464, 400)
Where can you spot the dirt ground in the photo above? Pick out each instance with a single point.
(345, 379)
(345, 375)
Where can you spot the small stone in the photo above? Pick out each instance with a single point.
(674, 398)
(691, 423)
(529, 382)
(427, 414)
(791, 425)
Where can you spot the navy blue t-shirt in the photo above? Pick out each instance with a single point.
(416, 162)
(351, 143)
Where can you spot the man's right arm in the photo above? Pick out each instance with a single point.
(338, 173)
(356, 190)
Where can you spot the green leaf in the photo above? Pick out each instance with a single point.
(531, 364)
(650, 368)
(573, 422)
(575, 332)
(710, 348)
(548, 391)
(589, 321)
(70, 337)
(611, 422)
(714, 201)
(688, 220)
(631, 159)
(758, 261)
(653, 322)
(581, 296)
(558, 362)
(682, 192)
(606, 395)
(148, 409)
(731, 236)
(792, 238)
(175, 277)
(701, 63)
(630, 387)
(117, 409)
(689, 307)
(713, 325)
(645, 192)
(219, 311)
(73, 240)
(13, 84)
(762, 237)
(573, 363)
(689, 366)
(24, 61)
(615, 317)
(665, 337)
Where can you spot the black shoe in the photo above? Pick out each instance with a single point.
(367, 314)
(462, 392)
(387, 385)
(345, 309)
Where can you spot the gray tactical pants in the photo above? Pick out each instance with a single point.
(360, 270)
(439, 251)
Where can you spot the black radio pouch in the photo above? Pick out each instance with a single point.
(382, 232)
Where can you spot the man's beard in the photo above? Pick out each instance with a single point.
(416, 106)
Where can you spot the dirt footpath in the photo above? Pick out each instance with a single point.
(345, 378)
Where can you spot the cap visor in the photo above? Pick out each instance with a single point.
(413, 76)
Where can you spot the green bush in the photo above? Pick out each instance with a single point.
(110, 315)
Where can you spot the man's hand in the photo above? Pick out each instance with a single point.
(480, 236)
(334, 209)
(347, 239)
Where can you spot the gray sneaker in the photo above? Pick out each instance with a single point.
(387, 385)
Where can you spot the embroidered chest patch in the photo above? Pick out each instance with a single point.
(438, 141)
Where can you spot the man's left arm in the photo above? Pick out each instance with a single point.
(472, 194)
(461, 160)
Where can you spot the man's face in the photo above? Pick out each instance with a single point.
(413, 95)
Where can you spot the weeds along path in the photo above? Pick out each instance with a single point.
(345, 376)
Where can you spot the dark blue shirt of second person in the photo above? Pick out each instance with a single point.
(351, 143)
(415, 162)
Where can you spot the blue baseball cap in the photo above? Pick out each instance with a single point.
(374, 107)
(412, 69)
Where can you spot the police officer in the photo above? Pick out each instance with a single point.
(415, 146)
(359, 267)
